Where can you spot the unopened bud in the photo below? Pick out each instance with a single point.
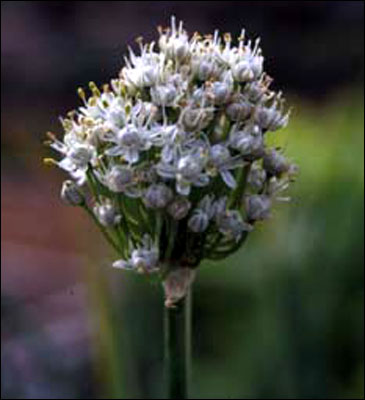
(239, 111)
(71, 194)
(275, 163)
(107, 214)
(179, 208)
(157, 196)
(118, 178)
(242, 72)
(199, 221)
(257, 207)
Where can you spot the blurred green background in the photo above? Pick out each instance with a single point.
(283, 318)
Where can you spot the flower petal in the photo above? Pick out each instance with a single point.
(228, 179)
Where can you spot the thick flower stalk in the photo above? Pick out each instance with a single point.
(169, 158)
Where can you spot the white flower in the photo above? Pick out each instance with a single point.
(175, 42)
(129, 142)
(78, 157)
(222, 162)
(177, 144)
(144, 70)
(187, 168)
(144, 258)
(120, 179)
(230, 223)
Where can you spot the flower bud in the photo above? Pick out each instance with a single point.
(179, 208)
(221, 92)
(219, 154)
(157, 196)
(275, 163)
(270, 118)
(230, 223)
(263, 116)
(257, 207)
(196, 119)
(107, 214)
(179, 48)
(248, 142)
(163, 95)
(242, 72)
(256, 64)
(71, 194)
(205, 70)
(189, 166)
(239, 111)
(149, 75)
(199, 221)
(118, 178)
(257, 177)
(255, 91)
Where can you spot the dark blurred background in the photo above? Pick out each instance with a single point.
(283, 318)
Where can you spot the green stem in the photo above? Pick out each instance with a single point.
(236, 196)
(178, 348)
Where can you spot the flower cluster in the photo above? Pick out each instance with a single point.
(170, 158)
